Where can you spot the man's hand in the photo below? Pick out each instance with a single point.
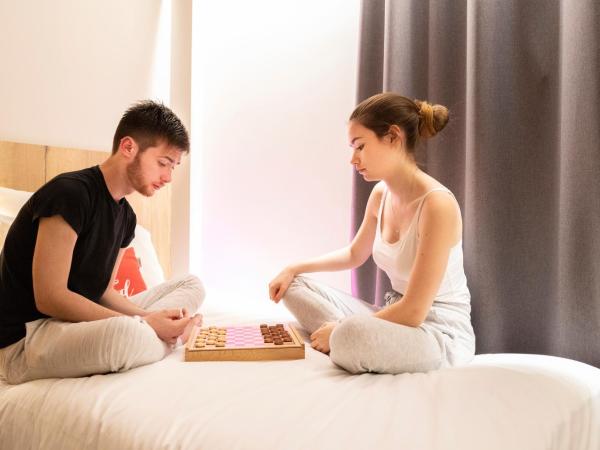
(168, 324)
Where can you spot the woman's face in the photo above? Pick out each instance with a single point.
(370, 154)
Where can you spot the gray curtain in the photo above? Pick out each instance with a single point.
(521, 153)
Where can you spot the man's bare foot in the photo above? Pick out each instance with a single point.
(195, 321)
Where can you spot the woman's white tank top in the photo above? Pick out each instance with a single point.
(397, 259)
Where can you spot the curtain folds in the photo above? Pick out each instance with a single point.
(521, 153)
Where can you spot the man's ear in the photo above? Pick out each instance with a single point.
(128, 147)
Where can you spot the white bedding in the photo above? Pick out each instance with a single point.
(498, 402)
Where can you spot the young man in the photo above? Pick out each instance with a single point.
(59, 315)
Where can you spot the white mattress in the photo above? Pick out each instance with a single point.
(498, 402)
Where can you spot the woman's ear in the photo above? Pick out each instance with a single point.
(396, 135)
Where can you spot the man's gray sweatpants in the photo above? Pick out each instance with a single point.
(56, 349)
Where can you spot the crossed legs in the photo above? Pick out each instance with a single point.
(53, 348)
(362, 342)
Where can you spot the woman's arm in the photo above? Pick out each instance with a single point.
(349, 257)
(439, 230)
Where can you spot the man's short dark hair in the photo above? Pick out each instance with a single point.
(149, 123)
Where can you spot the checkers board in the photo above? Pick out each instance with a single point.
(244, 343)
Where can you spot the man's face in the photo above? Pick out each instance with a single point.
(152, 169)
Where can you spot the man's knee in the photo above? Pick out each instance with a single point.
(193, 288)
(12, 363)
(110, 345)
(129, 343)
(193, 283)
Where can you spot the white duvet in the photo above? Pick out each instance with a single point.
(498, 402)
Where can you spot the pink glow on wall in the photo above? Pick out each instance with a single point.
(273, 87)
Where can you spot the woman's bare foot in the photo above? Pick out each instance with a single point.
(195, 321)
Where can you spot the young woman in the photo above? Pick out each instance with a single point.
(412, 227)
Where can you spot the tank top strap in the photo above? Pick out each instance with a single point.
(420, 207)
(380, 213)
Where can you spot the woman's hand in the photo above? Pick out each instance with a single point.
(320, 338)
(280, 284)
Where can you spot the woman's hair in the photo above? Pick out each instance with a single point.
(417, 118)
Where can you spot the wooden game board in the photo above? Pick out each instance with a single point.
(244, 343)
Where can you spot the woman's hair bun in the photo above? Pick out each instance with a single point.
(432, 118)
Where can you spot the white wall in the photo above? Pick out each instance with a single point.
(70, 68)
(273, 85)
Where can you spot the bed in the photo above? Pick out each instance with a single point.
(499, 401)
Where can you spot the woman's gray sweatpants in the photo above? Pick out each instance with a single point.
(56, 349)
(362, 342)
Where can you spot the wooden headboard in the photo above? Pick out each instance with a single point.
(26, 167)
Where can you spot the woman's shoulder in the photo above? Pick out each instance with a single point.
(439, 198)
(441, 211)
(437, 192)
(379, 189)
(377, 193)
(375, 198)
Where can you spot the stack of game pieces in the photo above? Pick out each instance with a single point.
(211, 336)
(275, 334)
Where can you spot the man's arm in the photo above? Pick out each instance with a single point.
(52, 259)
(117, 302)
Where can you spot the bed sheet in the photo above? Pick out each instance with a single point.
(499, 401)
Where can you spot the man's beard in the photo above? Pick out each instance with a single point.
(134, 174)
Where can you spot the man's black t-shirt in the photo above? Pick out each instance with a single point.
(103, 226)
